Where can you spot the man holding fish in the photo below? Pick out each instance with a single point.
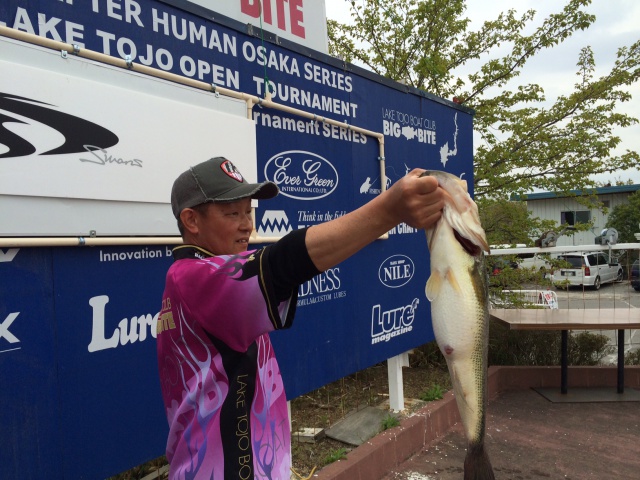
(220, 381)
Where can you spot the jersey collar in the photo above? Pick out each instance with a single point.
(190, 251)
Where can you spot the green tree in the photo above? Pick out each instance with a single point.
(527, 143)
(625, 218)
(507, 222)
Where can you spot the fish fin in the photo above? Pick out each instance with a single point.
(434, 285)
(477, 465)
(451, 278)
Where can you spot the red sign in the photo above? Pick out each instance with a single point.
(276, 12)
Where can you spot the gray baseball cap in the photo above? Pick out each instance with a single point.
(216, 180)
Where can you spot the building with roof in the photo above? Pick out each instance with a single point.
(567, 210)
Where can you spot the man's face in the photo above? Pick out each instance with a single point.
(224, 228)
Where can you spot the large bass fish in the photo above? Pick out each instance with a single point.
(457, 290)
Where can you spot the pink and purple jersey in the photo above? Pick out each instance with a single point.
(221, 384)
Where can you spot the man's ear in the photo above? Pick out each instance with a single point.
(189, 219)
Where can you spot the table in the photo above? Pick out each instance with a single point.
(619, 319)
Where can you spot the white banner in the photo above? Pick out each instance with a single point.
(73, 135)
(75, 129)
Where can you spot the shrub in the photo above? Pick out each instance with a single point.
(588, 348)
(526, 347)
(632, 358)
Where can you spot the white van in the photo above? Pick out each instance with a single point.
(589, 269)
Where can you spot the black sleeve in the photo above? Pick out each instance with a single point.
(290, 263)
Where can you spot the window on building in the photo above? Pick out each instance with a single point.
(573, 217)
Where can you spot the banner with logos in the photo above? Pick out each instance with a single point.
(80, 394)
(106, 355)
(92, 356)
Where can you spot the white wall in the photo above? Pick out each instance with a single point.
(551, 208)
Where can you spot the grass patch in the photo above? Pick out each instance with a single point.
(335, 455)
(435, 392)
(389, 421)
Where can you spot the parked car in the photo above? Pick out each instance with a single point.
(534, 260)
(635, 275)
(496, 264)
(589, 269)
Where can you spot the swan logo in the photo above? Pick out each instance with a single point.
(302, 175)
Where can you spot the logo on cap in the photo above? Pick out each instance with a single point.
(231, 170)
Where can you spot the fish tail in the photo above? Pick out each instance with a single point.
(477, 465)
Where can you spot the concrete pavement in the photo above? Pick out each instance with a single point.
(528, 437)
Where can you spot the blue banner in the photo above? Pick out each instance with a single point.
(78, 357)
(107, 364)
(29, 405)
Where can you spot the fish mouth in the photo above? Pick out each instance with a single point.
(468, 246)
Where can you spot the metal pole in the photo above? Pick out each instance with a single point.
(620, 361)
(563, 362)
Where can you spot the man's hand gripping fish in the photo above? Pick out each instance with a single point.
(457, 290)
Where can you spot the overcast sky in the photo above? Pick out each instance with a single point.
(617, 24)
